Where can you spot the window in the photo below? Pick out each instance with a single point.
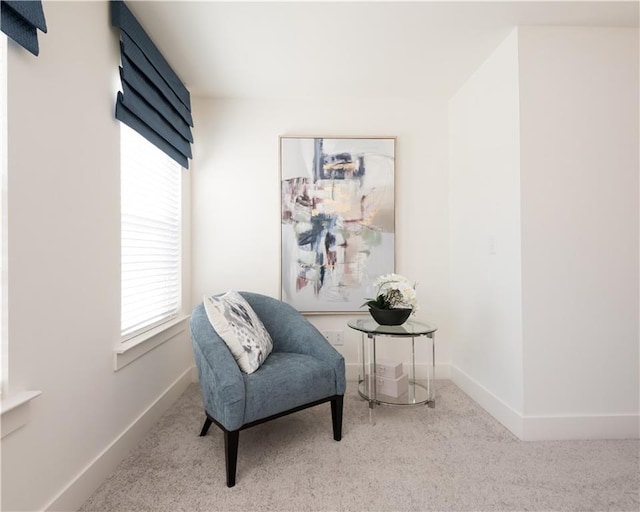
(151, 235)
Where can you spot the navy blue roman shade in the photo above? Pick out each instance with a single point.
(20, 20)
(154, 102)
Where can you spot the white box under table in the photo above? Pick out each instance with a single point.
(388, 369)
(392, 386)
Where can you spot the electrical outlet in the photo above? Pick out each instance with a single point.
(335, 337)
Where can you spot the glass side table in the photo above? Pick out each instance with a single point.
(420, 391)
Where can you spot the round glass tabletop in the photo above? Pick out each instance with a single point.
(409, 328)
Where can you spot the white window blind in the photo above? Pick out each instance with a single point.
(151, 219)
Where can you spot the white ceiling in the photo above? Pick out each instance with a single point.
(346, 49)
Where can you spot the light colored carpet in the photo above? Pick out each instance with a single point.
(453, 457)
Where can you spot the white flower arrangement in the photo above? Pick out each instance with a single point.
(394, 291)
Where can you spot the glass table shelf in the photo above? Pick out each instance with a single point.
(418, 393)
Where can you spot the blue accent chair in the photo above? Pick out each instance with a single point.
(302, 371)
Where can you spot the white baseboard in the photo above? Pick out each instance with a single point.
(548, 428)
(99, 469)
(613, 426)
(352, 370)
(500, 410)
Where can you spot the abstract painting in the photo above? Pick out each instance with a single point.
(337, 220)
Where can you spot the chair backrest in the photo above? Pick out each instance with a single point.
(282, 321)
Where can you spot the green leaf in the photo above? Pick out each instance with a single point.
(379, 302)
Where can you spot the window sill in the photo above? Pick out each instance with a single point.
(15, 410)
(132, 349)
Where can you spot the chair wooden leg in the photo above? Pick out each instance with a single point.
(205, 427)
(336, 417)
(231, 439)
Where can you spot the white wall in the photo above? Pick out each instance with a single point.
(484, 194)
(236, 194)
(64, 276)
(579, 125)
(545, 336)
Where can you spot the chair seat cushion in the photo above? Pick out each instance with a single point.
(240, 328)
(284, 381)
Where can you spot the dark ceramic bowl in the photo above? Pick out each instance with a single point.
(390, 316)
